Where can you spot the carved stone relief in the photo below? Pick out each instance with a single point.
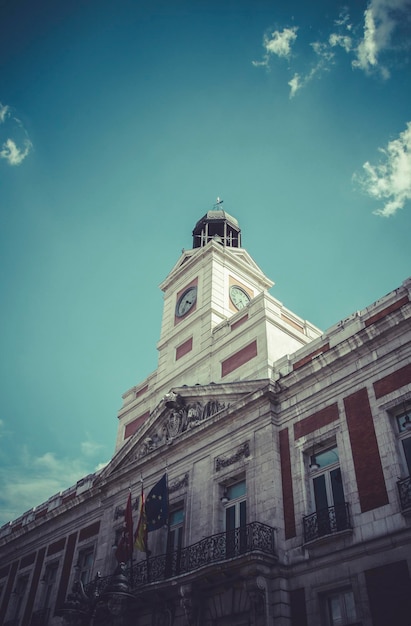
(242, 452)
(180, 418)
(179, 484)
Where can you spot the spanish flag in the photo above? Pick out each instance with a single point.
(140, 537)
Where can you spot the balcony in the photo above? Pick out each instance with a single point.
(404, 490)
(326, 522)
(149, 579)
(254, 538)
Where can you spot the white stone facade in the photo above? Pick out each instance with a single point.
(288, 456)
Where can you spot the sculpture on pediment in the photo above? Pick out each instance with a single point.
(178, 419)
(194, 415)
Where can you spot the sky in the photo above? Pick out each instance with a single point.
(120, 125)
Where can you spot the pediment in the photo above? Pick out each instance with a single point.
(181, 411)
(237, 256)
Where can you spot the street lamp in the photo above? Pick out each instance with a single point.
(104, 597)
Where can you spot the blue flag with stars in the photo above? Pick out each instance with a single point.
(157, 505)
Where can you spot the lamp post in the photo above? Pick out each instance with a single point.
(98, 603)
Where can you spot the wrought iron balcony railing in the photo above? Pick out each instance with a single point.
(214, 549)
(404, 490)
(252, 538)
(326, 522)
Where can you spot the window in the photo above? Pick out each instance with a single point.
(42, 615)
(404, 429)
(49, 580)
(403, 422)
(327, 496)
(19, 595)
(174, 541)
(340, 608)
(235, 518)
(85, 564)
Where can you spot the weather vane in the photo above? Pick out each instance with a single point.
(219, 202)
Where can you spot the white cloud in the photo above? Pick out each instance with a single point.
(278, 43)
(382, 31)
(344, 41)
(325, 58)
(295, 85)
(32, 480)
(13, 154)
(90, 448)
(4, 112)
(381, 18)
(323, 51)
(15, 144)
(390, 180)
(101, 466)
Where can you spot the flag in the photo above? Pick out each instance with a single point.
(140, 537)
(157, 505)
(124, 551)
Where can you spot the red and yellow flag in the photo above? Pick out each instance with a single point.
(140, 537)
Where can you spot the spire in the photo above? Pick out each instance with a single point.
(219, 225)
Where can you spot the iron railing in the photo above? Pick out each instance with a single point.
(326, 522)
(404, 490)
(252, 538)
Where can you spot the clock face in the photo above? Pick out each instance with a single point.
(186, 301)
(239, 297)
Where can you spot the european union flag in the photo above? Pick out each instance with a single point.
(157, 505)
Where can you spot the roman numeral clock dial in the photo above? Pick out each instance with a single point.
(186, 301)
(239, 297)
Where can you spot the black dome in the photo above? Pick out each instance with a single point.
(219, 225)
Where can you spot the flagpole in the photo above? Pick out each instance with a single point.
(147, 558)
(132, 549)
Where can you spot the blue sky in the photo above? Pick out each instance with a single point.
(120, 124)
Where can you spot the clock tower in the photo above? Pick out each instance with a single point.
(220, 324)
(208, 285)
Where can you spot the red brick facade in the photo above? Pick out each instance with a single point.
(184, 348)
(132, 427)
(389, 309)
(393, 381)
(372, 491)
(310, 357)
(316, 420)
(239, 358)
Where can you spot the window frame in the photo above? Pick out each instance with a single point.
(50, 586)
(403, 435)
(340, 593)
(326, 472)
(17, 608)
(240, 517)
(175, 540)
(84, 550)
